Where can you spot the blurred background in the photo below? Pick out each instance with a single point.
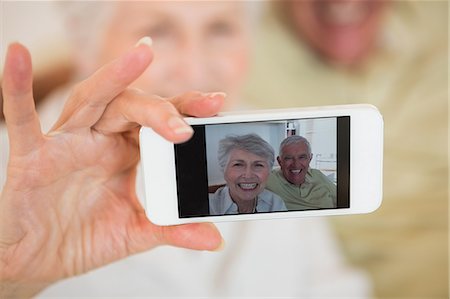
(310, 53)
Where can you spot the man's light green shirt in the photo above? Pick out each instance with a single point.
(315, 193)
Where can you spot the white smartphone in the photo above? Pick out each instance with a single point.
(187, 183)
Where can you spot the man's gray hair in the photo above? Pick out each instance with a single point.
(294, 139)
(251, 143)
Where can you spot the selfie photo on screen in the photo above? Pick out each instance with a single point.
(265, 167)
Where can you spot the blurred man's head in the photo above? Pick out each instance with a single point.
(341, 31)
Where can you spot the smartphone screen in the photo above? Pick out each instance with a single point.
(210, 183)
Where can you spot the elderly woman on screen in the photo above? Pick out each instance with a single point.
(246, 162)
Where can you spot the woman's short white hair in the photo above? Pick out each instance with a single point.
(251, 143)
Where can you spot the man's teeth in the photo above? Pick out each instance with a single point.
(343, 13)
(297, 171)
(247, 186)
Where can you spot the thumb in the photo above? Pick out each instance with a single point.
(198, 236)
(21, 118)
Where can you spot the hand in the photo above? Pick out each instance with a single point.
(69, 203)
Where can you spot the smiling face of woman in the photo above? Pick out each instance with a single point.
(197, 45)
(246, 175)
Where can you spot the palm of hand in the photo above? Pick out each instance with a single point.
(98, 216)
(69, 204)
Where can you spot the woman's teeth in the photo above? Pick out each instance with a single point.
(247, 186)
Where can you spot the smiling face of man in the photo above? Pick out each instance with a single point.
(342, 31)
(294, 162)
(246, 175)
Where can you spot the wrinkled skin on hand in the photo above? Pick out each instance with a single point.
(69, 203)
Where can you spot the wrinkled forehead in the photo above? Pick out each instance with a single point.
(183, 12)
(238, 154)
(296, 148)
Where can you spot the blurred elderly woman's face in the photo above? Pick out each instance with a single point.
(246, 175)
(197, 45)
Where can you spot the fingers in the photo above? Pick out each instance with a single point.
(199, 104)
(198, 236)
(134, 108)
(20, 115)
(90, 98)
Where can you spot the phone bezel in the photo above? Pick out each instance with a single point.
(366, 144)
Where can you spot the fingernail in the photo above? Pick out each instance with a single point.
(179, 126)
(214, 94)
(52, 133)
(146, 40)
(220, 247)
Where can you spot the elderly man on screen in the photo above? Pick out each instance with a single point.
(301, 187)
